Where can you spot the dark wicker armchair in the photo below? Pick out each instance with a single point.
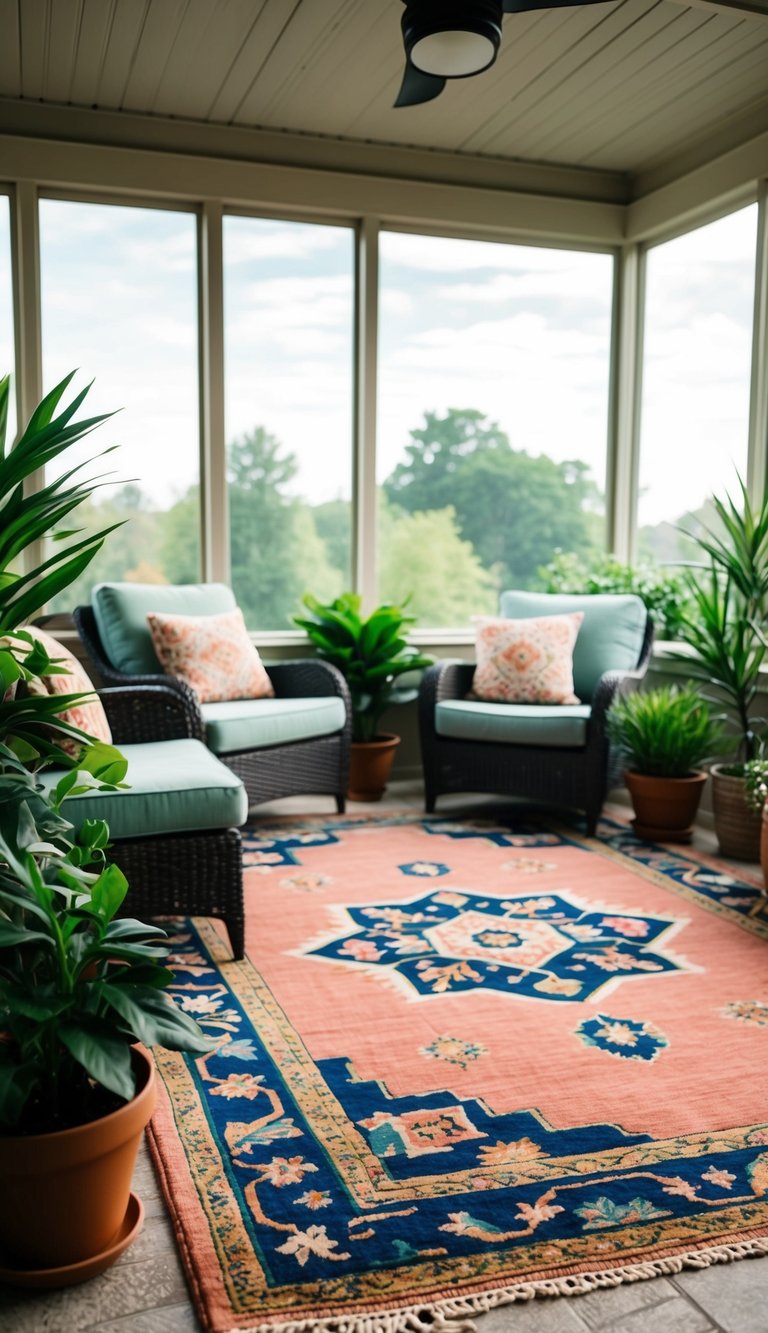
(570, 776)
(318, 765)
(189, 874)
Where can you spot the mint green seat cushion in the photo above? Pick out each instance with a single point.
(514, 724)
(120, 610)
(253, 724)
(174, 787)
(610, 637)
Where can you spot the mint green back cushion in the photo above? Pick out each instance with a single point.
(611, 633)
(121, 610)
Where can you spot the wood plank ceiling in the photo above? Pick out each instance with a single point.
(616, 86)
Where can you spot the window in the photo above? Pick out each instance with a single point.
(119, 301)
(288, 308)
(492, 417)
(6, 312)
(696, 376)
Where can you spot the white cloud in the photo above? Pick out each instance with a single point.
(446, 254)
(396, 301)
(567, 284)
(247, 240)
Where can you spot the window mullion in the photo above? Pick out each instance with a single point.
(25, 266)
(364, 516)
(757, 465)
(214, 517)
(626, 393)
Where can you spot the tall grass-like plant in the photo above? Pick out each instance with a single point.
(665, 732)
(28, 515)
(29, 724)
(727, 630)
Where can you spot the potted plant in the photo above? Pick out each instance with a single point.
(78, 988)
(664, 735)
(725, 639)
(756, 787)
(371, 653)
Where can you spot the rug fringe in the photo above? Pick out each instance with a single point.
(450, 1315)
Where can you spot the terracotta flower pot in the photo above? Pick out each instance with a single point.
(370, 764)
(665, 808)
(737, 827)
(65, 1195)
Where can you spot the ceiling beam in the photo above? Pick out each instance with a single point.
(759, 7)
(189, 179)
(318, 152)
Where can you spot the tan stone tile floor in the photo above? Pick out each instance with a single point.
(146, 1292)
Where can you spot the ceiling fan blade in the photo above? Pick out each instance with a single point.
(522, 6)
(417, 87)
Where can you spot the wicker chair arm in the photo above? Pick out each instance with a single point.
(138, 713)
(444, 680)
(85, 624)
(617, 684)
(307, 678)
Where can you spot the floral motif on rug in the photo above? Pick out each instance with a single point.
(545, 947)
(346, 1151)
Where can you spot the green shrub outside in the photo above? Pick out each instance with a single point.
(664, 595)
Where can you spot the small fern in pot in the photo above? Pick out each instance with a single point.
(664, 735)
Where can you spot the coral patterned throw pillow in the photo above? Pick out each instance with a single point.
(213, 654)
(88, 715)
(526, 661)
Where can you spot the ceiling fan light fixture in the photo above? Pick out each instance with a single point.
(453, 54)
(452, 39)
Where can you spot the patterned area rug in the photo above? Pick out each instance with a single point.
(467, 1063)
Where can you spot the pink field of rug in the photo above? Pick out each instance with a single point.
(464, 1063)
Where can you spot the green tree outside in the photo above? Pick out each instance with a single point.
(513, 508)
(423, 557)
(462, 517)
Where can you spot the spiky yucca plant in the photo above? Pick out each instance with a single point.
(727, 630)
(30, 515)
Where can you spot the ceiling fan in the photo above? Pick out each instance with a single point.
(453, 39)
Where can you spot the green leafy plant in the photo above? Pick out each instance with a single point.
(78, 987)
(665, 595)
(371, 652)
(756, 783)
(726, 636)
(665, 732)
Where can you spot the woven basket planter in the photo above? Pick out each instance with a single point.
(737, 827)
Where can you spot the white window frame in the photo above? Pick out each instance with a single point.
(213, 187)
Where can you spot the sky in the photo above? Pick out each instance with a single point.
(495, 327)
(521, 333)
(697, 363)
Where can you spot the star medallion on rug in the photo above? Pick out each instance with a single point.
(540, 1073)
